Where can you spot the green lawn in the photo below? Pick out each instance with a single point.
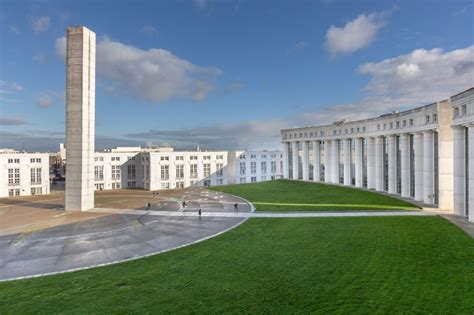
(287, 195)
(389, 265)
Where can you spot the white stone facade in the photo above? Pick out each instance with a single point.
(257, 166)
(463, 146)
(23, 174)
(80, 118)
(164, 168)
(406, 153)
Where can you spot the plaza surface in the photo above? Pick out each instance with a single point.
(38, 238)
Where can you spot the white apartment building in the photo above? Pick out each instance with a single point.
(23, 174)
(409, 153)
(164, 168)
(256, 166)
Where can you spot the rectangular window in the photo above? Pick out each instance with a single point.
(242, 168)
(179, 158)
(179, 171)
(220, 169)
(207, 170)
(253, 167)
(456, 111)
(263, 167)
(411, 122)
(165, 172)
(207, 157)
(253, 179)
(427, 119)
(11, 192)
(164, 158)
(131, 171)
(274, 166)
(220, 181)
(253, 156)
(193, 157)
(219, 157)
(464, 109)
(35, 175)
(242, 157)
(435, 118)
(194, 171)
(131, 184)
(99, 173)
(13, 176)
(242, 180)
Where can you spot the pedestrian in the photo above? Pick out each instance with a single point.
(149, 205)
(199, 213)
(154, 194)
(236, 207)
(184, 205)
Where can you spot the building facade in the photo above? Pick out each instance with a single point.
(405, 153)
(256, 166)
(463, 148)
(164, 168)
(23, 174)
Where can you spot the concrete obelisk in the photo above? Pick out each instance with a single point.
(80, 118)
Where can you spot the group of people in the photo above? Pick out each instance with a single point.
(184, 205)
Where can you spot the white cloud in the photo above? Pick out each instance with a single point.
(235, 86)
(44, 100)
(420, 76)
(9, 87)
(355, 34)
(148, 29)
(417, 78)
(41, 24)
(155, 75)
(13, 29)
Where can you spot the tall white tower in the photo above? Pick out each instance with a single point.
(80, 118)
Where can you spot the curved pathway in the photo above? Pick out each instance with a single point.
(117, 236)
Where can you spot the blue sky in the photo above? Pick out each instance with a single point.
(228, 74)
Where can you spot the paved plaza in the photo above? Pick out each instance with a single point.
(38, 237)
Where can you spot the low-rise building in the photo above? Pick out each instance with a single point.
(23, 174)
(256, 166)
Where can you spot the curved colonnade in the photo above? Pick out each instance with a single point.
(422, 153)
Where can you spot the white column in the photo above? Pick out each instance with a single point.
(286, 161)
(379, 163)
(316, 161)
(459, 155)
(370, 163)
(418, 148)
(335, 161)
(470, 139)
(347, 161)
(327, 161)
(358, 162)
(392, 164)
(428, 167)
(305, 160)
(295, 153)
(405, 164)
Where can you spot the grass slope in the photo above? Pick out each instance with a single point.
(287, 195)
(320, 265)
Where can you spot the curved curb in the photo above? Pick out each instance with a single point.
(125, 260)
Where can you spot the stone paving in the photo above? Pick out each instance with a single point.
(88, 239)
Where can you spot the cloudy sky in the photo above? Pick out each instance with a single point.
(228, 74)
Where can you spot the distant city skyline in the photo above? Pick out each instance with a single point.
(228, 75)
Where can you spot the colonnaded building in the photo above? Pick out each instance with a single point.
(426, 153)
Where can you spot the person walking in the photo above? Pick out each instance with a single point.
(184, 205)
(199, 213)
(236, 207)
